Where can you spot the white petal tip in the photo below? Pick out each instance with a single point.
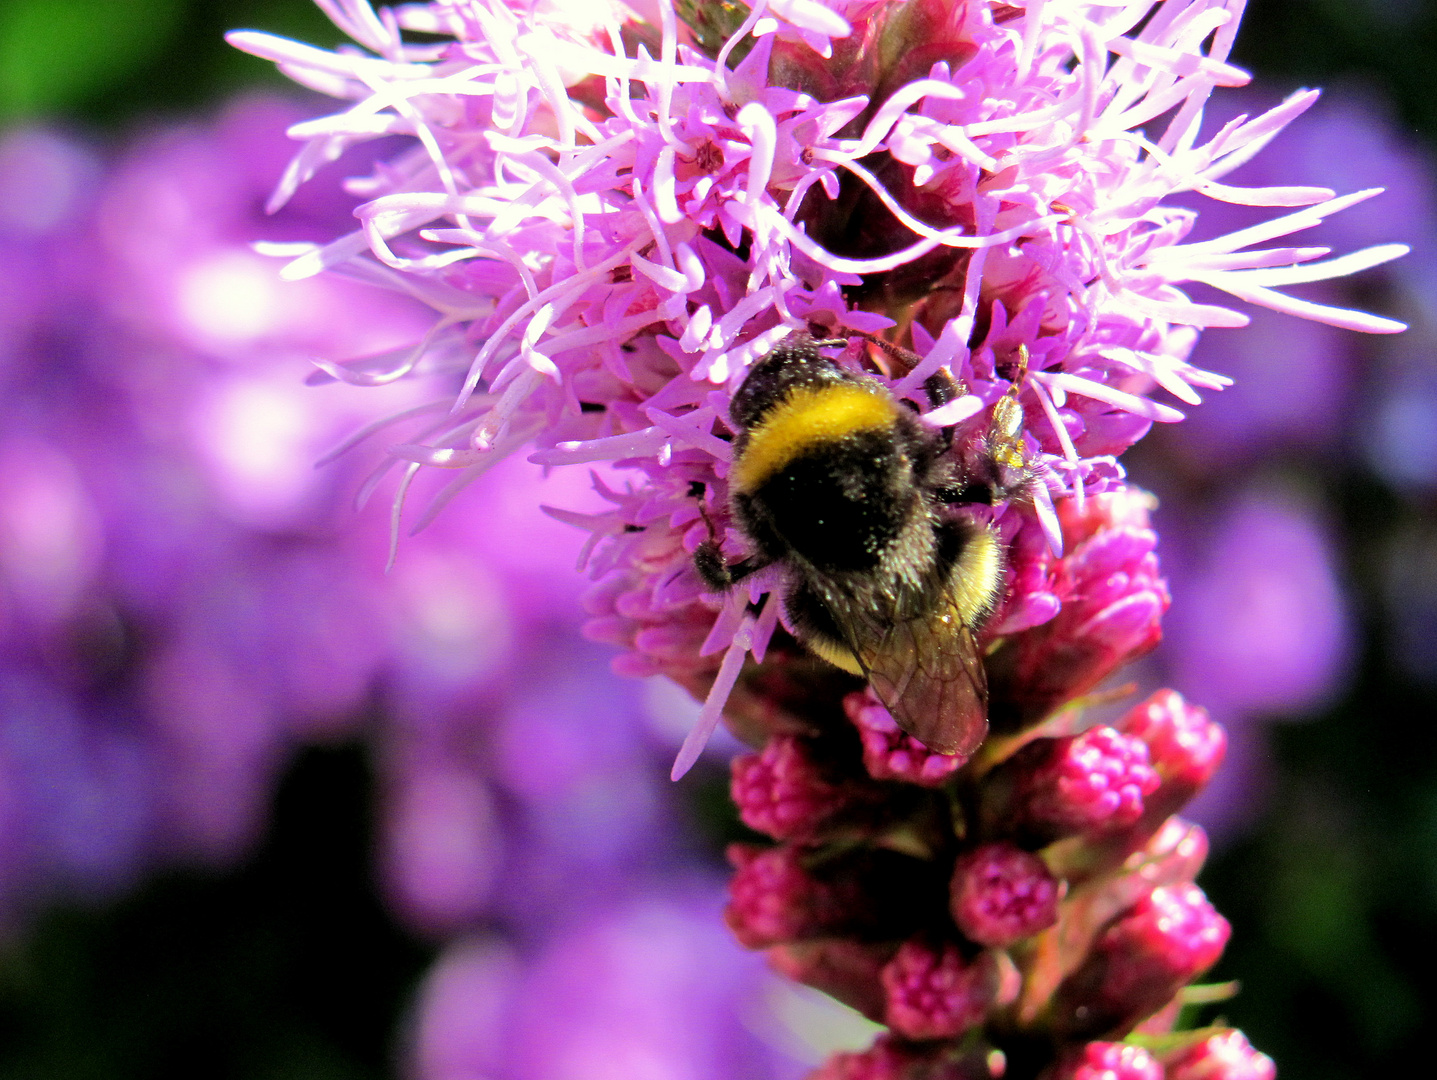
(1384, 326)
(682, 764)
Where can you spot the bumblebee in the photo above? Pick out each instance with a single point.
(888, 571)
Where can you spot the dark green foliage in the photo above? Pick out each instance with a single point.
(287, 968)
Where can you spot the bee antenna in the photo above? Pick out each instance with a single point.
(895, 352)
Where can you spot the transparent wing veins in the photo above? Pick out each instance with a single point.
(926, 669)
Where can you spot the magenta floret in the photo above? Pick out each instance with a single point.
(1185, 744)
(887, 1059)
(1112, 1061)
(773, 899)
(1089, 783)
(1001, 894)
(934, 993)
(1164, 941)
(1224, 1056)
(782, 791)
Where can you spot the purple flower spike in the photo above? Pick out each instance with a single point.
(1112, 1061)
(1002, 894)
(1224, 1056)
(1168, 938)
(632, 232)
(684, 208)
(1090, 783)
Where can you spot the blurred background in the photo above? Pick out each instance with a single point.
(268, 812)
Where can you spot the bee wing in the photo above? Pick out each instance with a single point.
(927, 671)
(930, 677)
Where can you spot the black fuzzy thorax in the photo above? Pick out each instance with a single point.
(839, 505)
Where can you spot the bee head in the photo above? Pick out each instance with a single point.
(793, 363)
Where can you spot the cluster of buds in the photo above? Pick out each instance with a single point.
(1016, 913)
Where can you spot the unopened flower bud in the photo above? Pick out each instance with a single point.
(1139, 962)
(1090, 783)
(884, 1060)
(1224, 1056)
(1122, 507)
(772, 898)
(783, 791)
(1001, 894)
(1185, 744)
(794, 893)
(1111, 1061)
(890, 1059)
(934, 993)
(892, 754)
(1113, 599)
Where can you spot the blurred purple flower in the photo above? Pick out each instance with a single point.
(184, 602)
(1260, 632)
(179, 605)
(651, 988)
(1261, 625)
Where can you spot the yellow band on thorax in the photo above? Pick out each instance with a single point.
(809, 415)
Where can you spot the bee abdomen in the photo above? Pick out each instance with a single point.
(972, 556)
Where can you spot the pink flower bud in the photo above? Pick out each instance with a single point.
(934, 993)
(891, 754)
(772, 898)
(794, 893)
(1224, 1056)
(1113, 599)
(783, 791)
(1140, 961)
(1186, 747)
(1111, 1061)
(1001, 894)
(1185, 744)
(1089, 783)
(1122, 507)
(888, 1059)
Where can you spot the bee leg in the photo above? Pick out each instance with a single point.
(716, 573)
(941, 388)
(713, 571)
(711, 566)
